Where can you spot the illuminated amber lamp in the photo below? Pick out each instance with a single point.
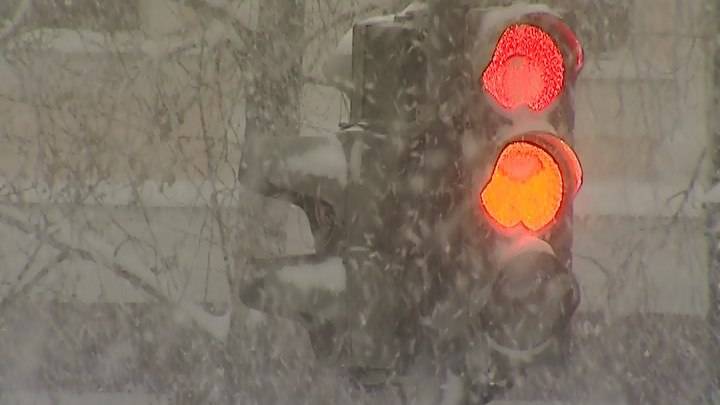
(531, 182)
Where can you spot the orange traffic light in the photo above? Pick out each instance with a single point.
(527, 186)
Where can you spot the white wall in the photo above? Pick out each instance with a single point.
(641, 130)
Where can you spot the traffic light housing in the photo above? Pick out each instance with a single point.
(389, 72)
(526, 67)
(455, 165)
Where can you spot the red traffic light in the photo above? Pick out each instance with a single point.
(527, 68)
(532, 178)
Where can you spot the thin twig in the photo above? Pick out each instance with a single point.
(82, 254)
(686, 193)
(22, 291)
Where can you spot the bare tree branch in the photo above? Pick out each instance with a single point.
(100, 253)
(26, 287)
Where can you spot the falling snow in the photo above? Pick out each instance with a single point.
(275, 202)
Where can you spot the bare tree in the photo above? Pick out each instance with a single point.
(153, 117)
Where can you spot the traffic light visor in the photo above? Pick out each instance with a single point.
(526, 68)
(526, 188)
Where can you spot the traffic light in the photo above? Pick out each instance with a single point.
(524, 194)
(455, 166)
(359, 177)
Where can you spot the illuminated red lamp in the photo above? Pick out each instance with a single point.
(529, 184)
(527, 68)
